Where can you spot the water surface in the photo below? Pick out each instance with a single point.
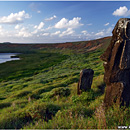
(4, 57)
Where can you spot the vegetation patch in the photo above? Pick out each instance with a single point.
(14, 120)
(60, 92)
(22, 94)
(29, 65)
(3, 105)
(43, 111)
(86, 97)
(40, 90)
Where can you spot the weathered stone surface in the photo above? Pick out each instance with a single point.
(117, 65)
(85, 81)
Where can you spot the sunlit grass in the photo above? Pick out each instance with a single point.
(43, 93)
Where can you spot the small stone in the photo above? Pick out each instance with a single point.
(85, 81)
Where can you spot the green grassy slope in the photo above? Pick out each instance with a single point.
(40, 91)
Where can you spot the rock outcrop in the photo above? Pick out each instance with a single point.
(85, 81)
(117, 65)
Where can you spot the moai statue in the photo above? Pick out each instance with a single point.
(85, 81)
(117, 65)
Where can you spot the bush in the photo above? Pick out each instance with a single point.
(85, 97)
(61, 92)
(22, 94)
(34, 96)
(36, 111)
(38, 91)
(14, 120)
(42, 111)
(3, 105)
(73, 118)
(117, 116)
(79, 111)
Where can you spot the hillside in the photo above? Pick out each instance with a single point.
(40, 90)
(84, 45)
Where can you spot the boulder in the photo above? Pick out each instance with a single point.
(117, 65)
(85, 81)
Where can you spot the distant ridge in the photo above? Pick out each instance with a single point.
(87, 45)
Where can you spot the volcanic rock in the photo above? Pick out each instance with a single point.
(117, 65)
(85, 81)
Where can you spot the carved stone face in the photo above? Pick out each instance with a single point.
(117, 65)
(117, 55)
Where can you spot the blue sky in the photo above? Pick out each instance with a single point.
(59, 21)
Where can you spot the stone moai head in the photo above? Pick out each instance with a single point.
(117, 64)
(117, 55)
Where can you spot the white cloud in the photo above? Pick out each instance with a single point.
(38, 11)
(122, 11)
(49, 28)
(45, 34)
(95, 35)
(17, 26)
(113, 25)
(56, 33)
(51, 18)
(109, 30)
(1, 31)
(100, 33)
(4, 33)
(40, 26)
(0, 27)
(35, 31)
(65, 23)
(69, 31)
(24, 32)
(84, 32)
(89, 24)
(62, 23)
(14, 18)
(106, 24)
(35, 7)
(35, 26)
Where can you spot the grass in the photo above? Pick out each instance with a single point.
(29, 65)
(40, 92)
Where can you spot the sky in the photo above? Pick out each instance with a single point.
(59, 21)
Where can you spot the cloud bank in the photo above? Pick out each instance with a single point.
(65, 23)
(122, 11)
(14, 18)
(51, 18)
